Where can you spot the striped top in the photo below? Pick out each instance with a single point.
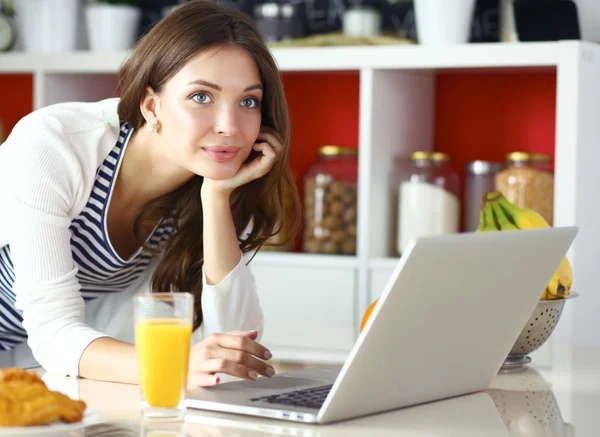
(100, 269)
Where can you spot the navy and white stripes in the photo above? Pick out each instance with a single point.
(11, 330)
(100, 268)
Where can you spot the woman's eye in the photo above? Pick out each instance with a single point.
(250, 102)
(201, 98)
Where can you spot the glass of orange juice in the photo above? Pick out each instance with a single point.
(163, 332)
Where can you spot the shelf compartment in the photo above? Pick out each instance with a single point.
(306, 306)
(316, 261)
(384, 264)
(60, 88)
(17, 98)
(324, 109)
(380, 271)
(469, 115)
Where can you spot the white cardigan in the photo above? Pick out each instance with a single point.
(47, 169)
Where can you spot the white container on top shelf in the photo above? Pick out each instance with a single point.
(48, 26)
(112, 27)
(314, 303)
(441, 23)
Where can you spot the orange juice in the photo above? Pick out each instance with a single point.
(163, 349)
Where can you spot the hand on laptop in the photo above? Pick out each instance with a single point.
(236, 353)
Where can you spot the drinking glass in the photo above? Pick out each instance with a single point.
(162, 429)
(163, 330)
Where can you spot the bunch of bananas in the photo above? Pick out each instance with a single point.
(499, 214)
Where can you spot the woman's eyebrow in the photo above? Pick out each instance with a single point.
(256, 86)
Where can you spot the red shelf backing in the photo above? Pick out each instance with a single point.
(324, 110)
(486, 115)
(16, 98)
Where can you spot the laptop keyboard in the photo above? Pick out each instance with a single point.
(309, 397)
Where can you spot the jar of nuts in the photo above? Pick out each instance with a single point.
(330, 202)
(527, 180)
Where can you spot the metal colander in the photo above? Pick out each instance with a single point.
(538, 328)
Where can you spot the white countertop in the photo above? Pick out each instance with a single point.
(564, 401)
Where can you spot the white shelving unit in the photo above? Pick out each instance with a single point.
(313, 303)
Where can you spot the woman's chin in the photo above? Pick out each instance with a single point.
(220, 174)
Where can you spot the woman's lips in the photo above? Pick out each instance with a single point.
(222, 153)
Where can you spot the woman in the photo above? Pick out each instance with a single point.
(185, 172)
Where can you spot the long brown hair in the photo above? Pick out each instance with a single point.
(189, 29)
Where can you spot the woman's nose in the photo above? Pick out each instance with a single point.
(225, 123)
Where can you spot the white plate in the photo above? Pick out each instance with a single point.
(57, 429)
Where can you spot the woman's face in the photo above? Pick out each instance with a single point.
(210, 112)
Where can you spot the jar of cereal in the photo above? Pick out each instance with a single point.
(527, 180)
(330, 202)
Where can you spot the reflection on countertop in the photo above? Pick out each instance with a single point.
(527, 405)
(526, 402)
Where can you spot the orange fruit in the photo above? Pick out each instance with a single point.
(367, 315)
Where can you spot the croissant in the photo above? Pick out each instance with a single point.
(25, 400)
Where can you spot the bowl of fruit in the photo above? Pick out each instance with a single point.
(499, 214)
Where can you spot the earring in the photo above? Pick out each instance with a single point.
(152, 126)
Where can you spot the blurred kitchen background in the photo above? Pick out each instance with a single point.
(428, 130)
(65, 25)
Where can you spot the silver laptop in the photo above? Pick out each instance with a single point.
(445, 322)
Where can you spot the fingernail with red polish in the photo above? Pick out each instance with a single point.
(217, 380)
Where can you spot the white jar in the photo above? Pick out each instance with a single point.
(112, 28)
(48, 26)
(362, 21)
(428, 202)
(443, 22)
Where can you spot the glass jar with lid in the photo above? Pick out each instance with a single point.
(542, 161)
(480, 178)
(428, 202)
(527, 180)
(330, 202)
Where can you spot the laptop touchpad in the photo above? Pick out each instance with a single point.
(275, 383)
